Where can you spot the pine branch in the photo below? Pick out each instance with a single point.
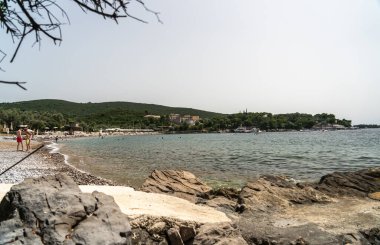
(15, 83)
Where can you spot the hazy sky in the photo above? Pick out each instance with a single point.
(225, 56)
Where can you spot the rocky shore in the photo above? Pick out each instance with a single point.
(342, 208)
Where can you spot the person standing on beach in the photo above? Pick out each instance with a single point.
(19, 139)
(28, 137)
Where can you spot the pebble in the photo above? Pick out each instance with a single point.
(39, 164)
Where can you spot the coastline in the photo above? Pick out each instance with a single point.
(271, 208)
(47, 161)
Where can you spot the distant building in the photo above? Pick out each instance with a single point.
(152, 116)
(73, 127)
(189, 119)
(195, 118)
(338, 126)
(328, 126)
(5, 129)
(175, 118)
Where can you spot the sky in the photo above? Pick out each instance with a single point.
(307, 56)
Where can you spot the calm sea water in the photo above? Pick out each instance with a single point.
(226, 159)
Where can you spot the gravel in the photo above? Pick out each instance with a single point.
(39, 164)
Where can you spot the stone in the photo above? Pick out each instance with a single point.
(374, 196)
(222, 233)
(372, 235)
(275, 192)
(358, 183)
(181, 184)
(143, 226)
(174, 237)
(187, 233)
(157, 228)
(53, 210)
(229, 193)
(221, 203)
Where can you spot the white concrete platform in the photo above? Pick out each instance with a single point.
(135, 203)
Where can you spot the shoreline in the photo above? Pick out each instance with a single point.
(271, 208)
(56, 150)
(47, 161)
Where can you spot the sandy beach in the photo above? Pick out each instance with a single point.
(42, 162)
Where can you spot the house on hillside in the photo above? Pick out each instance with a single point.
(195, 118)
(189, 119)
(175, 118)
(157, 117)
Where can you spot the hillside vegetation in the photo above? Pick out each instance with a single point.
(83, 110)
(59, 114)
(39, 114)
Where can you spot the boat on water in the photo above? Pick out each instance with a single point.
(244, 130)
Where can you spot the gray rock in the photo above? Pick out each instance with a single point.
(259, 230)
(181, 184)
(359, 183)
(222, 203)
(372, 236)
(270, 193)
(187, 233)
(222, 233)
(12, 232)
(53, 210)
(174, 237)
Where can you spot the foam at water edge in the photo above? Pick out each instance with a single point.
(54, 149)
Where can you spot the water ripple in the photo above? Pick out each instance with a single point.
(227, 157)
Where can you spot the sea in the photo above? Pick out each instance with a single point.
(225, 159)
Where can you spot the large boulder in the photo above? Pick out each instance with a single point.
(181, 184)
(53, 210)
(270, 193)
(359, 183)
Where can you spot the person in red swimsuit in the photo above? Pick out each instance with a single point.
(19, 140)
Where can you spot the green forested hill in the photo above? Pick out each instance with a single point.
(41, 114)
(84, 110)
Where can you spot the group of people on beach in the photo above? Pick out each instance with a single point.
(28, 137)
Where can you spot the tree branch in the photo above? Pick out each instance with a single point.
(15, 83)
(20, 18)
